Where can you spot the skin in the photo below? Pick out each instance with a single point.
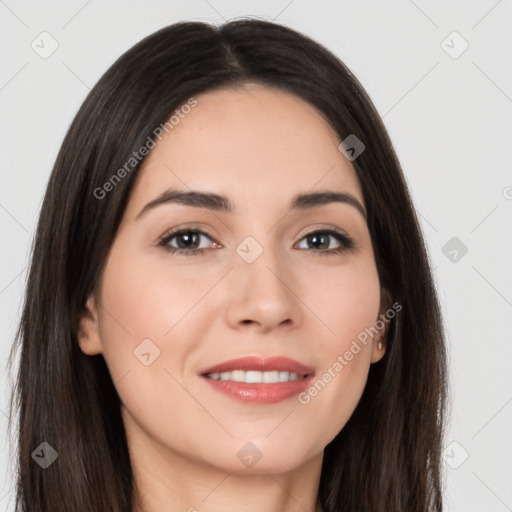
(259, 147)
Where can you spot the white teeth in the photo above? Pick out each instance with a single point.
(238, 375)
(255, 377)
(270, 377)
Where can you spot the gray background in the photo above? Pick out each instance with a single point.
(449, 116)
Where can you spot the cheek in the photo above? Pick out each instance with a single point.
(348, 303)
(142, 304)
(147, 336)
(145, 297)
(346, 300)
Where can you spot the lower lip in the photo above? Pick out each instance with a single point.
(260, 393)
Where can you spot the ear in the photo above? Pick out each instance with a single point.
(379, 341)
(89, 337)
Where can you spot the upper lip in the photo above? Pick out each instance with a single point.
(262, 364)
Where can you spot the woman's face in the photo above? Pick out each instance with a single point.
(265, 278)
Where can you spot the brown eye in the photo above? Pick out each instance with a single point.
(185, 241)
(320, 241)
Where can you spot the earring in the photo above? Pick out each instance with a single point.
(380, 345)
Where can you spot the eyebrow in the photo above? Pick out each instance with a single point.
(216, 202)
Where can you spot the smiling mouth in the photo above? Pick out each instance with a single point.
(256, 377)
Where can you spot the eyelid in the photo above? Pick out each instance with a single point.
(170, 234)
(321, 227)
(193, 226)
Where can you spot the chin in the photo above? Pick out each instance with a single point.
(265, 455)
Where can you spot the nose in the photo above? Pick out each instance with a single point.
(263, 295)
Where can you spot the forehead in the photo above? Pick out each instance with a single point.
(250, 144)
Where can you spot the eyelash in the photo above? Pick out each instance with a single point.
(347, 243)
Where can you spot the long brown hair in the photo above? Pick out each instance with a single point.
(387, 457)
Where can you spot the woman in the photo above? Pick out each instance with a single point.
(229, 304)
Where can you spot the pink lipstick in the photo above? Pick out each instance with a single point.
(258, 379)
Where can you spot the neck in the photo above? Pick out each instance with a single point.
(167, 481)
